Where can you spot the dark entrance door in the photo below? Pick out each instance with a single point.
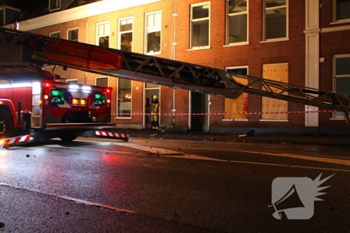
(198, 105)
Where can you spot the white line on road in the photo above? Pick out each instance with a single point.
(174, 154)
(78, 201)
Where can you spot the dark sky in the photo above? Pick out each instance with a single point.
(21, 3)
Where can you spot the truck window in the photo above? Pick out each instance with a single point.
(57, 97)
(100, 100)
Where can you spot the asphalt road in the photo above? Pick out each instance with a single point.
(152, 185)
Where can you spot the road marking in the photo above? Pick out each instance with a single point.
(151, 149)
(174, 154)
(196, 157)
(304, 157)
(78, 201)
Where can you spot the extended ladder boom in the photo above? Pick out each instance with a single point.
(40, 50)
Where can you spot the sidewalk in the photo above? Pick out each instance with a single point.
(267, 138)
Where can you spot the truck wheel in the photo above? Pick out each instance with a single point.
(8, 130)
(68, 138)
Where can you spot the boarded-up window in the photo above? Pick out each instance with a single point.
(239, 105)
(277, 72)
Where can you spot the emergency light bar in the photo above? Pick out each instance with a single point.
(18, 85)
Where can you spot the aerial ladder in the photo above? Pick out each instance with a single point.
(35, 51)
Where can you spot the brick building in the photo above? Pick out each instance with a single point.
(303, 42)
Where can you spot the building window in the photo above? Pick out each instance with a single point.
(200, 25)
(341, 77)
(153, 32)
(276, 72)
(103, 34)
(237, 106)
(101, 81)
(124, 97)
(2, 17)
(55, 34)
(276, 12)
(237, 21)
(72, 81)
(341, 9)
(54, 5)
(125, 34)
(73, 34)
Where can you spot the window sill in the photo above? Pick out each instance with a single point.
(277, 121)
(337, 119)
(236, 44)
(122, 118)
(238, 120)
(274, 40)
(156, 53)
(201, 48)
(340, 21)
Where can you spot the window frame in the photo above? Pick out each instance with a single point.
(338, 115)
(104, 35)
(228, 15)
(264, 22)
(72, 81)
(146, 32)
(198, 20)
(335, 20)
(124, 32)
(102, 77)
(68, 34)
(117, 101)
(57, 32)
(57, 8)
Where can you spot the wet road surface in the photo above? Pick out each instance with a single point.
(152, 185)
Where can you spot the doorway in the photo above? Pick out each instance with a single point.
(150, 90)
(199, 104)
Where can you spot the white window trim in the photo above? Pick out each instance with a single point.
(116, 107)
(196, 20)
(287, 23)
(334, 16)
(334, 117)
(97, 36)
(55, 9)
(120, 33)
(160, 29)
(227, 26)
(71, 29)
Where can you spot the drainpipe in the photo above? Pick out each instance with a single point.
(174, 58)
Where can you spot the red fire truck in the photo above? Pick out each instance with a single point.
(46, 109)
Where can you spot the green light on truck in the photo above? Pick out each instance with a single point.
(100, 100)
(57, 97)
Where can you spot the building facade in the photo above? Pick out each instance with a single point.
(302, 42)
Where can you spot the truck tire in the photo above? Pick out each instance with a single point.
(68, 138)
(8, 129)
